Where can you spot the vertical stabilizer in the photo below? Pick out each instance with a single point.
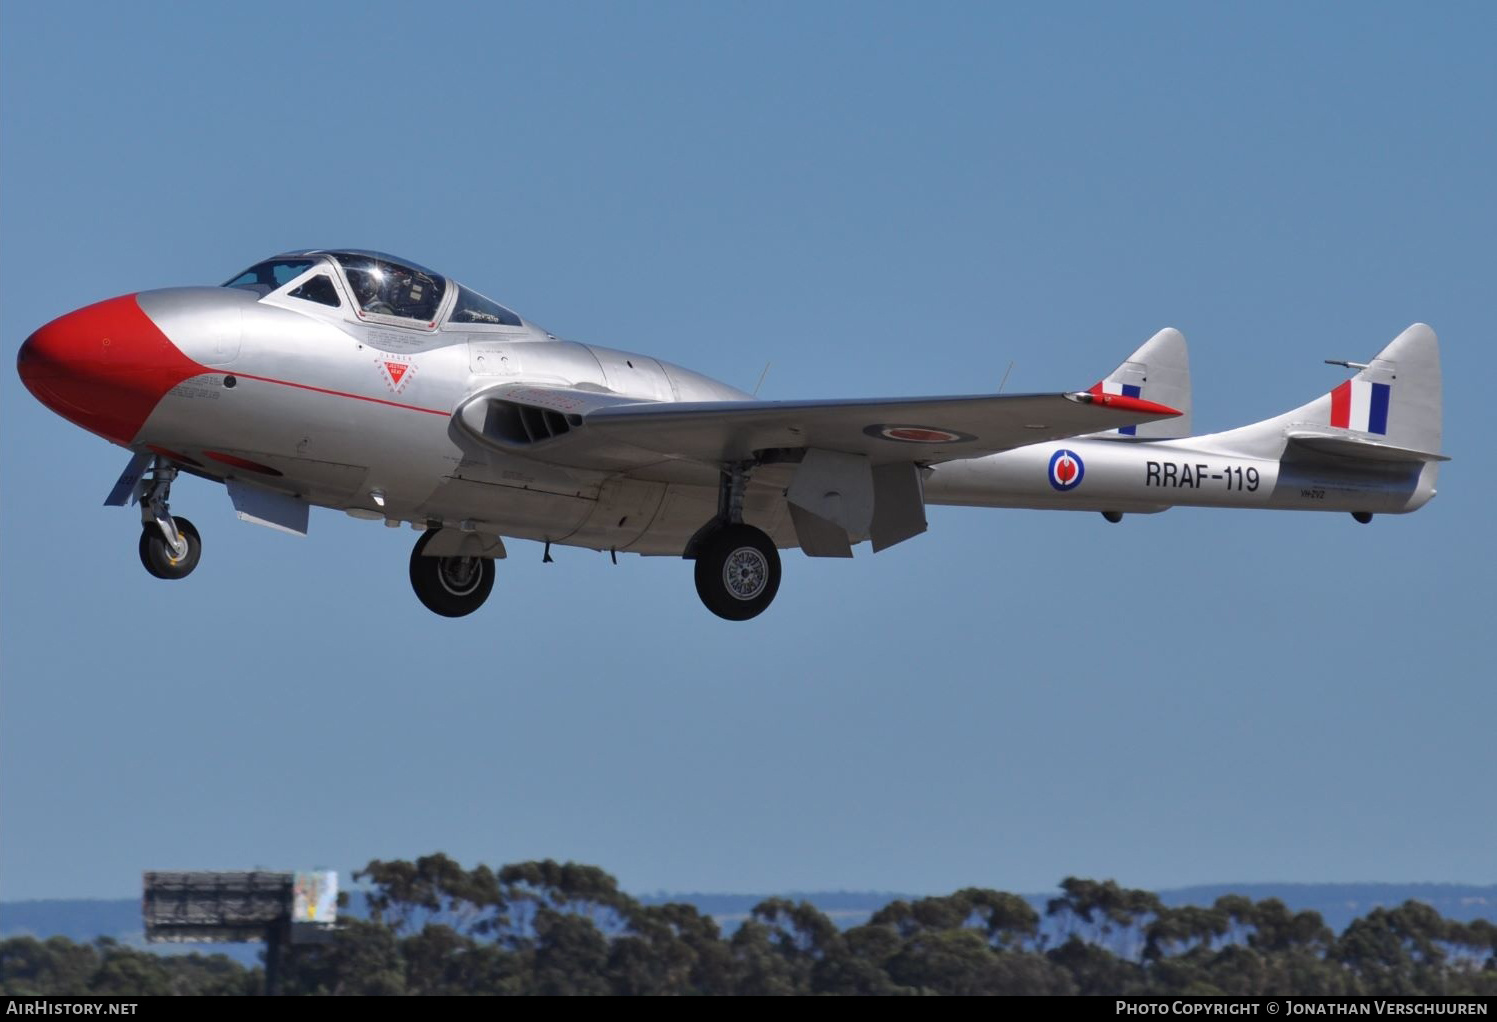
(1394, 403)
(1159, 371)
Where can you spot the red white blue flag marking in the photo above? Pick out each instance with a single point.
(1066, 470)
(1361, 405)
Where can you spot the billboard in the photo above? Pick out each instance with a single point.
(238, 907)
(315, 898)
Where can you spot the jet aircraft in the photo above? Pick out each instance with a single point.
(368, 384)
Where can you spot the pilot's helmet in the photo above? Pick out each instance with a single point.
(365, 285)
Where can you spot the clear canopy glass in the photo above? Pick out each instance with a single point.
(263, 278)
(383, 287)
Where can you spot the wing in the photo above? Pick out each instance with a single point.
(596, 429)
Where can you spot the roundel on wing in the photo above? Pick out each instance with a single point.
(910, 434)
(1066, 470)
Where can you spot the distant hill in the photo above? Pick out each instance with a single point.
(84, 920)
(1338, 904)
(78, 919)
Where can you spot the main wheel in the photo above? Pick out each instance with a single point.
(158, 557)
(738, 572)
(450, 586)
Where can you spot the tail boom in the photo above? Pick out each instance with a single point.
(1103, 475)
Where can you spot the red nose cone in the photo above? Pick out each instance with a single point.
(104, 367)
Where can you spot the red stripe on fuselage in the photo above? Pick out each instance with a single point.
(338, 393)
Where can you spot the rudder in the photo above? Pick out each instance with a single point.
(1397, 398)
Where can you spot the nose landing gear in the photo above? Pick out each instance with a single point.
(164, 559)
(169, 547)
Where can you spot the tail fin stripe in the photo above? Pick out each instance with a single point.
(1377, 416)
(1361, 405)
(1341, 406)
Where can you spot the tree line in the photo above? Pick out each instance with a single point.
(434, 927)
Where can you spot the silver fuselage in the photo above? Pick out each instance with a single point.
(319, 397)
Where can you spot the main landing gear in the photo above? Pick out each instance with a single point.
(450, 586)
(737, 572)
(169, 547)
(737, 565)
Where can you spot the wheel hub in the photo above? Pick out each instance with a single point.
(459, 575)
(745, 573)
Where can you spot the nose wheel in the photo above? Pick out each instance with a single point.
(169, 547)
(164, 559)
(738, 572)
(450, 586)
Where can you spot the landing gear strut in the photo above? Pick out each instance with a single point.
(737, 565)
(169, 547)
(450, 586)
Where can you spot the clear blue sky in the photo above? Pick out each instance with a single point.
(879, 199)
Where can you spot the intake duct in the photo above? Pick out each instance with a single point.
(521, 425)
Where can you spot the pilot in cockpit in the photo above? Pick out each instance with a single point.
(367, 289)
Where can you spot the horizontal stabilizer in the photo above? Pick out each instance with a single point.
(1343, 446)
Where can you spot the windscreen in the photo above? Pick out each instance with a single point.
(263, 278)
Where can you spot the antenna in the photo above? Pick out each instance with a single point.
(1005, 375)
(761, 379)
(1344, 362)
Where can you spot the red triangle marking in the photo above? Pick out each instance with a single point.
(396, 371)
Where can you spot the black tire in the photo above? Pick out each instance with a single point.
(738, 572)
(450, 586)
(157, 556)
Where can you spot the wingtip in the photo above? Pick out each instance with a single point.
(1123, 403)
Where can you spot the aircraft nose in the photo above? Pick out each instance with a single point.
(104, 367)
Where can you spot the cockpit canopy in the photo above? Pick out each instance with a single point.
(382, 288)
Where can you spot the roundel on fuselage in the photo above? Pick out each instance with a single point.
(1066, 470)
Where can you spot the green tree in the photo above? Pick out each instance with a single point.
(362, 958)
(30, 967)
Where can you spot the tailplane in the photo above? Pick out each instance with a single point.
(1159, 371)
